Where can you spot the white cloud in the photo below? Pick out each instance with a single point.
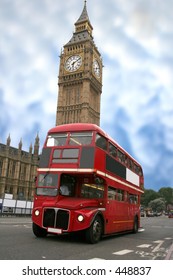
(136, 42)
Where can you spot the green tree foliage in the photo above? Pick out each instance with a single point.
(148, 196)
(165, 195)
(157, 205)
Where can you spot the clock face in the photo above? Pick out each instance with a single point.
(73, 63)
(96, 68)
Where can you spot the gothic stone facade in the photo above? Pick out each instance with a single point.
(18, 170)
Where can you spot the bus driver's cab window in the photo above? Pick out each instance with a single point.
(67, 185)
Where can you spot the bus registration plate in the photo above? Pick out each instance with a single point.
(55, 230)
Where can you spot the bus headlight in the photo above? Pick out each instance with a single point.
(80, 218)
(37, 212)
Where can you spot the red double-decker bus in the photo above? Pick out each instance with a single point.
(86, 182)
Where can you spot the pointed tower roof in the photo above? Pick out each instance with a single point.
(83, 28)
(8, 140)
(20, 144)
(37, 139)
(36, 145)
(84, 16)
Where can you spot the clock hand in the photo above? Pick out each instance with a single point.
(75, 62)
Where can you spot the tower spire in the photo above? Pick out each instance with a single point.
(83, 23)
(84, 15)
(80, 76)
(83, 28)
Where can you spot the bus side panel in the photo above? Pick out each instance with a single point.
(117, 215)
(45, 157)
(87, 157)
(120, 216)
(115, 167)
(99, 159)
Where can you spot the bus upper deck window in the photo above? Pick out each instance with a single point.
(80, 138)
(56, 140)
(101, 142)
(112, 150)
(50, 142)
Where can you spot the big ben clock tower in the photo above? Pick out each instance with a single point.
(80, 77)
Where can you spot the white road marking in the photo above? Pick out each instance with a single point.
(144, 246)
(156, 226)
(27, 226)
(158, 246)
(141, 229)
(96, 259)
(123, 252)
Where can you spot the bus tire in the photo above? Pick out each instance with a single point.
(38, 231)
(135, 225)
(94, 232)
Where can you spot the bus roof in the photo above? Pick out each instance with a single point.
(72, 127)
(77, 127)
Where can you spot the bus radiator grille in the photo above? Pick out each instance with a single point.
(49, 218)
(62, 219)
(56, 218)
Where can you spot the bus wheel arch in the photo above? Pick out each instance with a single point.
(94, 233)
(38, 231)
(135, 224)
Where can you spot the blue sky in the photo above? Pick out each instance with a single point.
(135, 39)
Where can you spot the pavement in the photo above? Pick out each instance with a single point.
(169, 255)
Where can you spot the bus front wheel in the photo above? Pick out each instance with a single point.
(38, 231)
(94, 232)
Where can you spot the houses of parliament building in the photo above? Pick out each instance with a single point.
(79, 95)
